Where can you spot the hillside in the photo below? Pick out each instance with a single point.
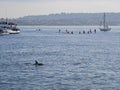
(68, 19)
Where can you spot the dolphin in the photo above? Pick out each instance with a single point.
(37, 63)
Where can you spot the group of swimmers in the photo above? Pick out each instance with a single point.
(83, 32)
(88, 32)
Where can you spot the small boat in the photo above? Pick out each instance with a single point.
(8, 28)
(105, 25)
(3, 31)
(13, 28)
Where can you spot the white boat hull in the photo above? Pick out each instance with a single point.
(13, 32)
(105, 29)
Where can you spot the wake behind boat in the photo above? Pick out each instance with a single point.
(105, 25)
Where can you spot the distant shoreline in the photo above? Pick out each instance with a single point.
(68, 25)
(69, 19)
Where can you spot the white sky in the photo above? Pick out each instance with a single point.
(20, 8)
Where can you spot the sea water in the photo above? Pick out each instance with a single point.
(71, 61)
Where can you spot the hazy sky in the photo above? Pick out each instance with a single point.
(20, 8)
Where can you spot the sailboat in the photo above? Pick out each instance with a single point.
(105, 25)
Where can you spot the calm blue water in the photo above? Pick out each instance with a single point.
(71, 62)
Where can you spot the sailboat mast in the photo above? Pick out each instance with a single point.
(6, 17)
(104, 22)
(105, 25)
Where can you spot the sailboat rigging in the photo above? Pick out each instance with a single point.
(105, 25)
